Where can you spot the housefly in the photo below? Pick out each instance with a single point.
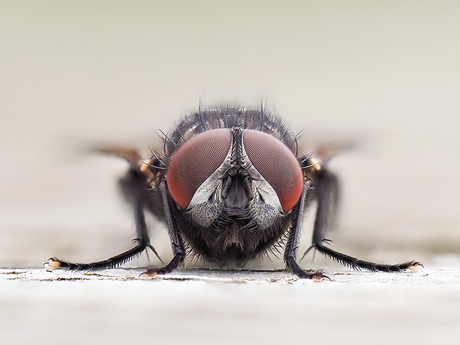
(229, 186)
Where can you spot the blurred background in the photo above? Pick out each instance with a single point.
(383, 73)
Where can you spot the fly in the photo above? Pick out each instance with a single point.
(230, 185)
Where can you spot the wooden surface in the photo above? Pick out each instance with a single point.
(228, 307)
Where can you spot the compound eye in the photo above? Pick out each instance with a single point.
(277, 164)
(195, 161)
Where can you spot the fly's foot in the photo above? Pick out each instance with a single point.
(177, 261)
(414, 266)
(149, 274)
(317, 276)
(153, 272)
(52, 264)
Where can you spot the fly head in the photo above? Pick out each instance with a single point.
(234, 189)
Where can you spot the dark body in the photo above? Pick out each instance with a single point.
(231, 185)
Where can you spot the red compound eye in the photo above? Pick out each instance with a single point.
(195, 161)
(277, 164)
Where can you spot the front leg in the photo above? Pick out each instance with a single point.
(292, 245)
(177, 243)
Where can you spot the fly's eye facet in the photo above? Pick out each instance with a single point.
(277, 164)
(195, 161)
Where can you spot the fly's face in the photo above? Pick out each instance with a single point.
(241, 183)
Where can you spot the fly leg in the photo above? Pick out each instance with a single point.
(177, 243)
(134, 186)
(292, 245)
(325, 187)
